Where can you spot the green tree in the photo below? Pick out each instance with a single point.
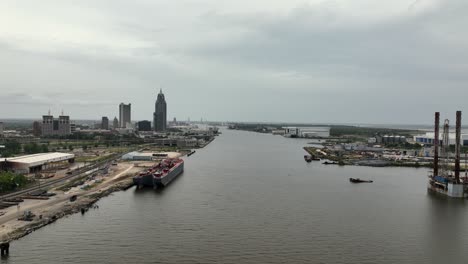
(32, 148)
(44, 148)
(10, 181)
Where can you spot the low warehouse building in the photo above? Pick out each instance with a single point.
(143, 156)
(35, 162)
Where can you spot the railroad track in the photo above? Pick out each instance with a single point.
(75, 175)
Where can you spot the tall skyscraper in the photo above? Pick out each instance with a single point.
(160, 113)
(105, 123)
(124, 115)
(1, 128)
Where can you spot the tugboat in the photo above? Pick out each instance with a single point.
(357, 180)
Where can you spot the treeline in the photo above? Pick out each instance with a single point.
(10, 181)
(33, 148)
(338, 131)
(12, 148)
(93, 136)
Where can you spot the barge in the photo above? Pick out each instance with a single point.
(161, 174)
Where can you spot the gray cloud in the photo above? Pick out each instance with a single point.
(308, 41)
(318, 62)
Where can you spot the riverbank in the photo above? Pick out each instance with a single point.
(363, 158)
(66, 201)
(13, 232)
(78, 195)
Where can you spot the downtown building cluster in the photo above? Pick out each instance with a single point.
(63, 126)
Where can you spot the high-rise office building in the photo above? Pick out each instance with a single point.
(144, 125)
(1, 128)
(124, 115)
(37, 129)
(115, 124)
(105, 123)
(160, 113)
(56, 126)
(73, 128)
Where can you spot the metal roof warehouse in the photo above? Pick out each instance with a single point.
(35, 162)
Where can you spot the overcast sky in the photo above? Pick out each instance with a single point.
(359, 61)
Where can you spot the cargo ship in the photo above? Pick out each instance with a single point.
(161, 174)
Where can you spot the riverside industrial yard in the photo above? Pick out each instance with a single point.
(56, 167)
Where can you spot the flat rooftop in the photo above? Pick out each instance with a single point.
(41, 158)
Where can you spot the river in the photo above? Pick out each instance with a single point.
(251, 198)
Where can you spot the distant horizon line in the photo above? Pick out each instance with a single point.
(247, 122)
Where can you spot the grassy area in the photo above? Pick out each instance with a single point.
(91, 158)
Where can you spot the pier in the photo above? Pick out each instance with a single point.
(5, 248)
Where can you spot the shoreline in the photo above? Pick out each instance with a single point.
(70, 198)
(82, 203)
(375, 163)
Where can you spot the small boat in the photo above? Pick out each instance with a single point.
(330, 163)
(357, 180)
(308, 158)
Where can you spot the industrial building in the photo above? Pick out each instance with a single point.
(428, 138)
(56, 126)
(387, 139)
(307, 132)
(125, 116)
(35, 162)
(143, 156)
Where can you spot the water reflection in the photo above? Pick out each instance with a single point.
(446, 228)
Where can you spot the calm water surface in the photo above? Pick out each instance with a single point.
(251, 198)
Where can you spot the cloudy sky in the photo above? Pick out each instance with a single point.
(359, 61)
